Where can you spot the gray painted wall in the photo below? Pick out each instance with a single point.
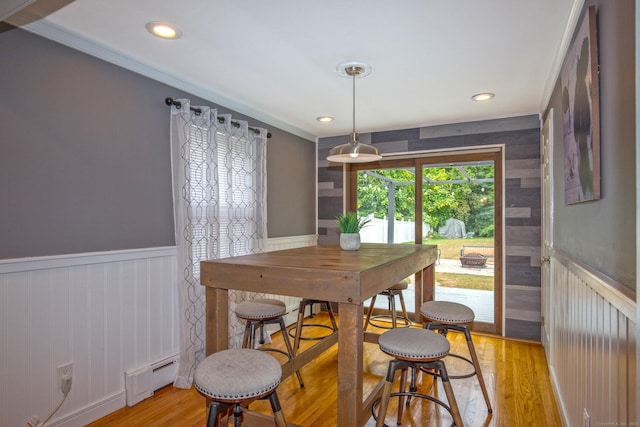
(85, 161)
(601, 233)
(520, 137)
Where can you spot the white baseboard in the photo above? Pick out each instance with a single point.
(90, 413)
(562, 409)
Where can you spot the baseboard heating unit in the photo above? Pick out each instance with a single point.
(140, 383)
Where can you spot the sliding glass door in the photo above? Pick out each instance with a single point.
(454, 202)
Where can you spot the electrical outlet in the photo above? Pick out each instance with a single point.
(34, 421)
(585, 418)
(65, 370)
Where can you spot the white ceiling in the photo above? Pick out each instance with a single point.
(276, 61)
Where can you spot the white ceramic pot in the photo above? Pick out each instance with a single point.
(350, 241)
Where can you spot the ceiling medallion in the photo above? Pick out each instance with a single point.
(354, 151)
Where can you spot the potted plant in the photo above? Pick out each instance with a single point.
(350, 225)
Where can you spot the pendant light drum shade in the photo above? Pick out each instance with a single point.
(354, 151)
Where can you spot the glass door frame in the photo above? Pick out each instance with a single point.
(418, 161)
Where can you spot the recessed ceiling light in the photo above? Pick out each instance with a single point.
(324, 119)
(163, 30)
(483, 96)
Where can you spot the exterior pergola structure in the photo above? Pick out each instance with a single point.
(393, 183)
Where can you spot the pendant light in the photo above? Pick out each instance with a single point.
(354, 151)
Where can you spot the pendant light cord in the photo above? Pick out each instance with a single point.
(353, 77)
(354, 151)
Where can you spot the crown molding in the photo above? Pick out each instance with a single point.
(572, 22)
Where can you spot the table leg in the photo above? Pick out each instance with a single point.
(425, 286)
(428, 282)
(217, 323)
(350, 360)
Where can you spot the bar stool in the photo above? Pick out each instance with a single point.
(296, 331)
(413, 349)
(443, 316)
(264, 311)
(390, 293)
(239, 376)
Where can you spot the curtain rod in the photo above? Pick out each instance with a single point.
(178, 105)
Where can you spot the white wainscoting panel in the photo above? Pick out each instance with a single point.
(106, 313)
(592, 346)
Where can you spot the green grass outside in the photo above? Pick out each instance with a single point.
(451, 247)
(451, 250)
(465, 281)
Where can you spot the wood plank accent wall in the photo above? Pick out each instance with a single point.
(592, 353)
(520, 137)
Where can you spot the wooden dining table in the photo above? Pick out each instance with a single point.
(327, 273)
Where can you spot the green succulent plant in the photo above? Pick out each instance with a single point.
(350, 223)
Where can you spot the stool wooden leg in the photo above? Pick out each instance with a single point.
(300, 323)
(443, 329)
(401, 399)
(394, 365)
(392, 307)
(404, 308)
(277, 410)
(262, 338)
(247, 333)
(455, 411)
(476, 365)
(296, 341)
(332, 317)
(287, 343)
(370, 311)
(384, 403)
(252, 334)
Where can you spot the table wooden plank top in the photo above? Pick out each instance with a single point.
(321, 272)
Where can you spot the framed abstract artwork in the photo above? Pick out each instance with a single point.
(581, 114)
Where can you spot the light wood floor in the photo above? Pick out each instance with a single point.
(515, 372)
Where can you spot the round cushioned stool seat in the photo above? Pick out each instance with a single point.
(447, 312)
(412, 343)
(400, 286)
(237, 375)
(261, 308)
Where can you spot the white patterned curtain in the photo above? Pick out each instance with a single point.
(219, 201)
